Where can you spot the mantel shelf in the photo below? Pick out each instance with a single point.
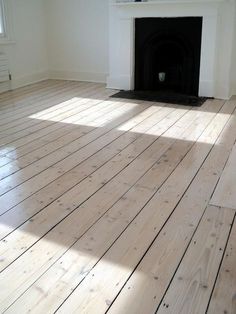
(158, 2)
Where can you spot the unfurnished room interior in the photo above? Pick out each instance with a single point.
(118, 156)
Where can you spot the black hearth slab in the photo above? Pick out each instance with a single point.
(162, 96)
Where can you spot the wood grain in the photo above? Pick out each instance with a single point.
(102, 201)
(225, 193)
(224, 296)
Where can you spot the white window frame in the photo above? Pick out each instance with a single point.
(7, 37)
(2, 19)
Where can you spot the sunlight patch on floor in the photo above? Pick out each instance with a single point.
(56, 107)
(46, 115)
(87, 121)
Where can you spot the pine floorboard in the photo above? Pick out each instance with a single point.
(115, 206)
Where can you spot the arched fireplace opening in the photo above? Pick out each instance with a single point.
(167, 54)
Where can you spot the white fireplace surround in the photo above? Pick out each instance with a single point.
(217, 40)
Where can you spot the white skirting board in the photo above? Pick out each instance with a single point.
(28, 79)
(79, 76)
(5, 86)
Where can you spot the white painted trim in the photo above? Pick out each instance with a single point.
(3, 19)
(29, 79)
(222, 90)
(79, 76)
(5, 86)
(206, 88)
(4, 41)
(8, 38)
(155, 2)
(121, 41)
(119, 82)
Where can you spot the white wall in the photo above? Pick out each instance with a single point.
(27, 54)
(78, 39)
(224, 51)
(233, 70)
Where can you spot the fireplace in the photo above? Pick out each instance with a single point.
(167, 54)
(217, 31)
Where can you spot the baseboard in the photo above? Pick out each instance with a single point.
(232, 90)
(222, 90)
(206, 88)
(5, 86)
(78, 76)
(119, 82)
(29, 79)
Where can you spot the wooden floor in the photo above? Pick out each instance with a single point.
(114, 206)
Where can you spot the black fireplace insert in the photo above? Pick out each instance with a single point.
(167, 54)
